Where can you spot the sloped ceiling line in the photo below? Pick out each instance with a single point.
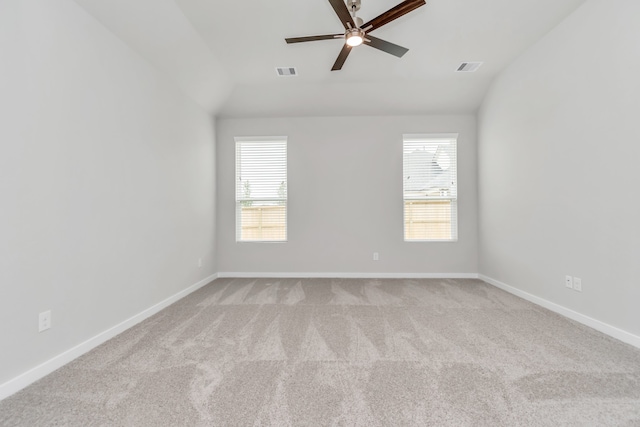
(224, 54)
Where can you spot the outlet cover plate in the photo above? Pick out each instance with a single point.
(568, 282)
(44, 321)
(577, 284)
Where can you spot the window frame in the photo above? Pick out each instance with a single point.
(238, 140)
(454, 223)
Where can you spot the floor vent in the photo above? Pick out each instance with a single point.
(468, 67)
(286, 71)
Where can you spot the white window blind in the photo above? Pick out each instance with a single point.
(430, 190)
(261, 189)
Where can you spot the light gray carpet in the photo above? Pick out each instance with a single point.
(316, 352)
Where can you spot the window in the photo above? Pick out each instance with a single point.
(430, 188)
(261, 189)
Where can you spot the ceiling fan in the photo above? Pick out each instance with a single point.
(357, 32)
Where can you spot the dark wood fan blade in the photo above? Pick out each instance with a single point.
(346, 49)
(385, 46)
(313, 38)
(392, 14)
(343, 13)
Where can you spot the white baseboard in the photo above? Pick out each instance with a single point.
(605, 328)
(352, 275)
(21, 381)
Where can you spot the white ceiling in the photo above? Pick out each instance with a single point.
(223, 53)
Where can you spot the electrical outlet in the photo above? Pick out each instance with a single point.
(44, 321)
(376, 256)
(568, 282)
(199, 262)
(577, 284)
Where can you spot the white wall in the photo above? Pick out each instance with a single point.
(345, 198)
(106, 182)
(559, 149)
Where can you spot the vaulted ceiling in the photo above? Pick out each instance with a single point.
(223, 54)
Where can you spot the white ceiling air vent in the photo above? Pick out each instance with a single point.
(287, 71)
(468, 67)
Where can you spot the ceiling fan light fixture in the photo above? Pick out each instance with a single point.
(354, 37)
